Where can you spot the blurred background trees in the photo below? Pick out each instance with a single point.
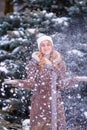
(66, 22)
(60, 7)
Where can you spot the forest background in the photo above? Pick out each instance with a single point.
(66, 22)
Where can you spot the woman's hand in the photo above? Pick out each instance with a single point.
(12, 82)
(81, 78)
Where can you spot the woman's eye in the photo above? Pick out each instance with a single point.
(48, 44)
(43, 45)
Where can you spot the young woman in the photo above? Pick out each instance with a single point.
(46, 76)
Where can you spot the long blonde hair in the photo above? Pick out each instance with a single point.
(52, 58)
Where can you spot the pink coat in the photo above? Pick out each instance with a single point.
(47, 109)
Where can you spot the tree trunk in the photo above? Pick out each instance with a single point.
(8, 8)
(2, 7)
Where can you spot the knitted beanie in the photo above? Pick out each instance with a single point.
(43, 38)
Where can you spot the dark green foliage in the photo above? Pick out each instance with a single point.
(60, 7)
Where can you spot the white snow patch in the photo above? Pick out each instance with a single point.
(44, 11)
(3, 69)
(85, 113)
(49, 15)
(69, 97)
(25, 124)
(60, 20)
(78, 96)
(76, 52)
(31, 30)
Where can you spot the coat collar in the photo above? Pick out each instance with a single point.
(56, 60)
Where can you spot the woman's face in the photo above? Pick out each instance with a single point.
(46, 47)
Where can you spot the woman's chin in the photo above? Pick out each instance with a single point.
(47, 53)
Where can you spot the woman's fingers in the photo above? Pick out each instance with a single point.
(7, 81)
(81, 78)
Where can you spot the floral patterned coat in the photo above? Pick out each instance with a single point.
(47, 109)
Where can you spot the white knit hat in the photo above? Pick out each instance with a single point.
(42, 38)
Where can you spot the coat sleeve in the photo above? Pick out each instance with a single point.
(62, 68)
(29, 82)
(65, 81)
